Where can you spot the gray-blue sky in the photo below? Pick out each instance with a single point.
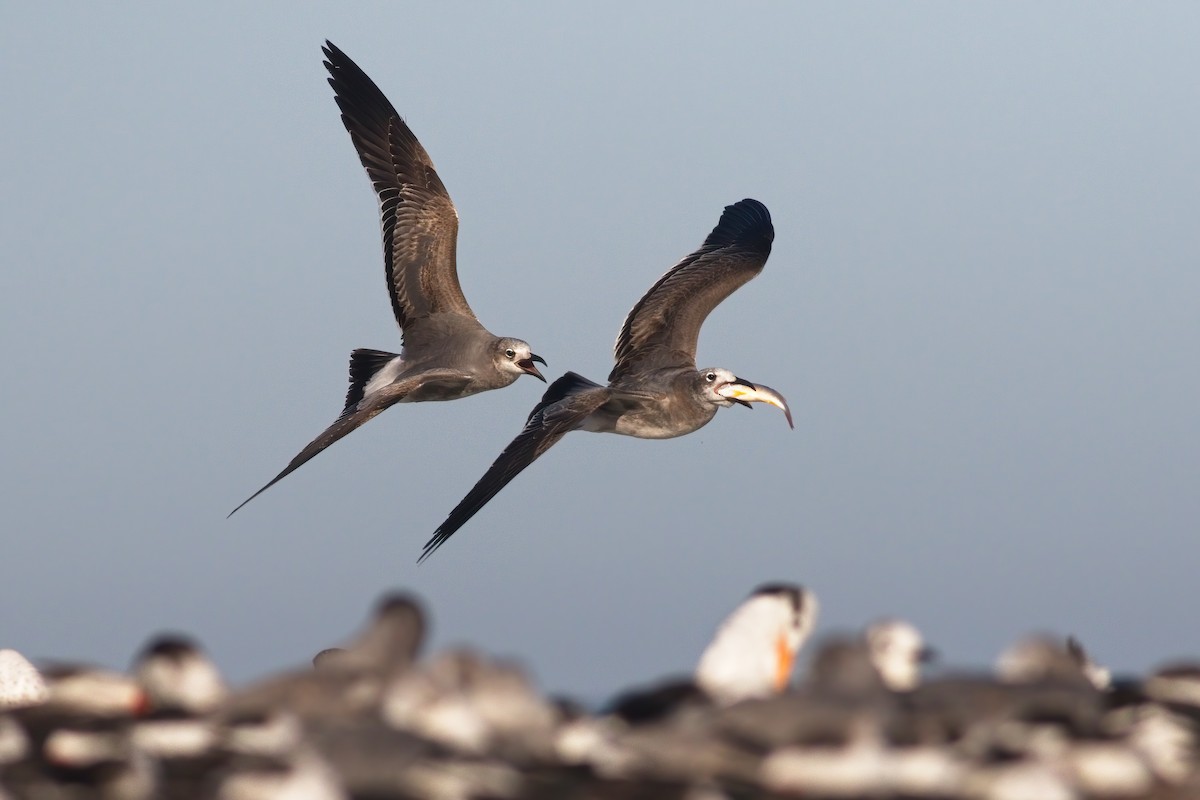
(981, 304)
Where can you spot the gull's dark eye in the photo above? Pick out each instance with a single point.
(710, 377)
(510, 352)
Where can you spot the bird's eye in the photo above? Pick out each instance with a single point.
(510, 352)
(710, 377)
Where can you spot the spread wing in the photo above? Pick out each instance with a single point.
(664, 326)
(562, 409)
(420, 224)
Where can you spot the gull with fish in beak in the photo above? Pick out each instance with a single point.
(655, 390)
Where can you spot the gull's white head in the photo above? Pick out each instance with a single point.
(897, 650)
(514, 357)
(755, 648)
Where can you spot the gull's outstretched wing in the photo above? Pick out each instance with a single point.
(420, 224)
(664, 326)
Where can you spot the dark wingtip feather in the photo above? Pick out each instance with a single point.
(331, 52)
(431, 546)
(444, 532)
(746, 224)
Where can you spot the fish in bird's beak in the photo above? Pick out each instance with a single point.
(527, 365)
(745, 392)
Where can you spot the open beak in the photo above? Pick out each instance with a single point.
(527, 365)
(745, 392)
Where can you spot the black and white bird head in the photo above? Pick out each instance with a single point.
(177, 676)
(722, 388)
(515, 357)
(755, 648)
(897, 650)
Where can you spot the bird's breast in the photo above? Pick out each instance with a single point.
(662, 420)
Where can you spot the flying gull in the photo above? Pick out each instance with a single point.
(446, 353)
(654, 391)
